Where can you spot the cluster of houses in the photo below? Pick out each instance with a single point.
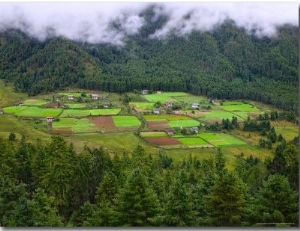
(94, 97)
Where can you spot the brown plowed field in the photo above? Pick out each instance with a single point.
(159, 141)
(104, 123)
(157, 125)
(53, 104)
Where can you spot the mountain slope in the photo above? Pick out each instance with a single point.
(224, 63)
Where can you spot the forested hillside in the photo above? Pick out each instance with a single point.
(50, 185)
(226, 62)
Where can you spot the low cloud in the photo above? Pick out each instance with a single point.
(111, 22)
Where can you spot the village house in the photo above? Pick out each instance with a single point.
(70, 97)
(194, 130)
(169, 104)
(156, 111)
(170, 131)
(144, 92)
(195, 105)
(49, 119)
(106, 105)
(95, 96)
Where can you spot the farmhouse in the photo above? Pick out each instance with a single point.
(169, 104)
(49, 119)
(156, 111)
(158, 92)
(106, 105)
(70, 97)
(95, 96)
(170, 131)
(195, 105)
(194, 130)
(144, 92)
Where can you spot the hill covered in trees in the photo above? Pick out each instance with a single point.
(227, 62)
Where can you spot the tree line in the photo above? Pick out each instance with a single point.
(50, 185)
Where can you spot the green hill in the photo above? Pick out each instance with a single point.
(226, 62)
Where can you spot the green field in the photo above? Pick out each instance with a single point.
(163, 97)
(113, 143)
(124, 121)
(193, 141)
(193, 99)
(221, 139)
(76, 105)
(153, 134)
(218, 116)
(183, 123)
(76, 125)
(14, 109)
(142, 105)
(35, 102)
(93, 112)
(26, 111)
(240, 108)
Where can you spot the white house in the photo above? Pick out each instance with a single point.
(195, 105)
(70, 97)
(156, 111)
(49, 119)
(95, 96)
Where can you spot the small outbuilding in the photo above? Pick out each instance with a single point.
(156, 111)
(70, 97)
(49, 119)
(95, 96)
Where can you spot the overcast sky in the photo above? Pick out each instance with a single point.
(91, 21)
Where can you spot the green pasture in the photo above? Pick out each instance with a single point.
(287, 129)
(26, 111)
(76, 125)
(153, 134)
(232, 102)
(193, 99)
(8, 96)
(76, 105)
(14, 109)
(142, 105)
(35, 102)
(92, 112)
(221, 139)
(113, 143)
(239, 108)
(192, 141)
(163, 97)
(124, 121)
(183, 123)
(219, 115)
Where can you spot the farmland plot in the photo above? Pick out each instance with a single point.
(221, 139)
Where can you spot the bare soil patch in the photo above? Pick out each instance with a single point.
(104, 123)
(53, 105)
(158, 125)
(160, 141)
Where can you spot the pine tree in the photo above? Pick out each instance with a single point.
(137, 204)
(226, 201)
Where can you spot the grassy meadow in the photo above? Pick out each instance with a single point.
(164, 96)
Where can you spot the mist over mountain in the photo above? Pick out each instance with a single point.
(222, 50)
(96, 22)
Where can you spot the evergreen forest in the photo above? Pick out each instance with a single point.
(49, 184)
